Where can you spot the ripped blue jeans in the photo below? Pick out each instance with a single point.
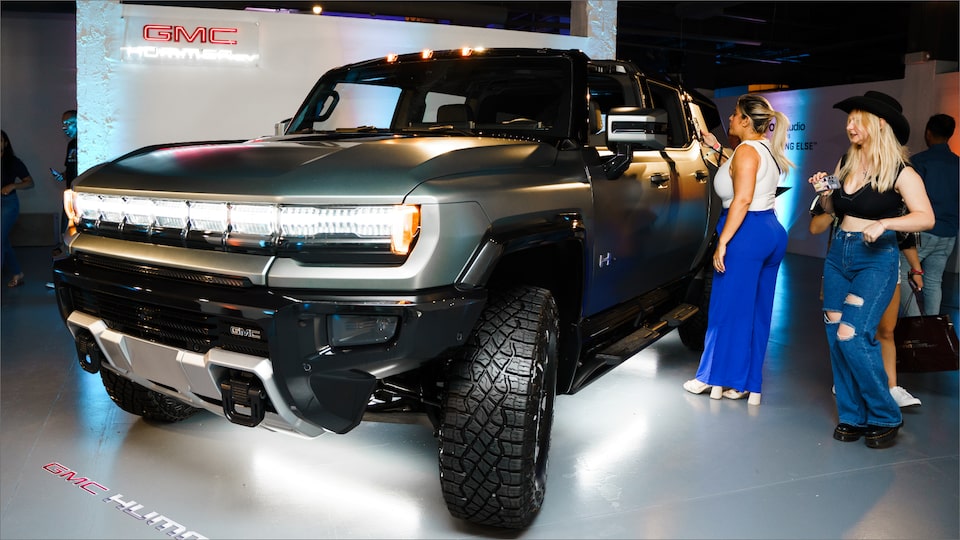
(858, 282)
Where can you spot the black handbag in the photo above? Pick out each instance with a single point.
(927, 342)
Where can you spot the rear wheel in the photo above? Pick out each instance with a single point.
(693, 332)
(497, 411)
(141, 401)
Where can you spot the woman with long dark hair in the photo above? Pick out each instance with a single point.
(15, 177)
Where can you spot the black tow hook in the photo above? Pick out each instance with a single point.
(88, 352)
(243, 389)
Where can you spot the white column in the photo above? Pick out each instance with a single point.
(99, 34)
(597, 21)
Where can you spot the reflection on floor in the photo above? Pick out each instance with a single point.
(633, 455)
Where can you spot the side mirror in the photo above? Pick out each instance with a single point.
(629, 126)
(634, 125)
(281, 127)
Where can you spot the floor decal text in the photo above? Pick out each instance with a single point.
(131, 508)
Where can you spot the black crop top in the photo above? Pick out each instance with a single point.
(867, 203)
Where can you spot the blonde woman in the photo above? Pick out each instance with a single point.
(750, 246)
(861, 268)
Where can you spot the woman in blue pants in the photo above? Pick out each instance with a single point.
(750, 247)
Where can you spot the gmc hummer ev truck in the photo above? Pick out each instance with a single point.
(459, 234)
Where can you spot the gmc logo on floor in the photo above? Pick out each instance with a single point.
(132, 508)
(166, 33)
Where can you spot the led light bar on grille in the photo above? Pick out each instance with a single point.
(257, 224)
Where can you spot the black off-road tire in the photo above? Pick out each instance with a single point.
(497, 411)
(693, 332)
(141, 401)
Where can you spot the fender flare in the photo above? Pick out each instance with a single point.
(498, 243)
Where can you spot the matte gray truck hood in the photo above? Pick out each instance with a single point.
(386, 167)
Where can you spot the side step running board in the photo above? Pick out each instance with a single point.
(646, 335)
(679, 314)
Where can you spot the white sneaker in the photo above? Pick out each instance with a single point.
(903, 398)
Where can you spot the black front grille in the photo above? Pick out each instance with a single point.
(164, 272)
(180, 328)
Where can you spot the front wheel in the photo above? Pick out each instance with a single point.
(497, 411)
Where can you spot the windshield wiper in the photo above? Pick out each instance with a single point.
(360, 129)
(443, 129)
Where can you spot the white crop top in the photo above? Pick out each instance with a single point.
(768, 176)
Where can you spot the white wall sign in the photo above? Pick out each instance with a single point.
(126, 101)
(190, 42)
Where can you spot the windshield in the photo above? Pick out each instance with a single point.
(477, 95)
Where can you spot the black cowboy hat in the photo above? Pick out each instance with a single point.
(883, 106)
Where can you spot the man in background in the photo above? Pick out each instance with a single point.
(69, 127)
(940, 170)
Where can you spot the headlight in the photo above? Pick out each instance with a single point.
(387, 227)
(404, 228)
(255, 219)
(171, 214)
(139, 211)
(69, 206)
(395, 226)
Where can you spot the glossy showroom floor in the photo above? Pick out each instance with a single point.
(633, 455)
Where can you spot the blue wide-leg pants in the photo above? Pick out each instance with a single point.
(741, 304)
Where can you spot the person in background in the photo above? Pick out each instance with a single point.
(15, 177)
(821, 222)
(940, 170)
(69, 126)
(861, 268)
(750, 246)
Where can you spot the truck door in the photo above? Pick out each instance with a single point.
(685, 225)
(651, 221)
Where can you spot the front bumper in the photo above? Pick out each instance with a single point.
(182, 337)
